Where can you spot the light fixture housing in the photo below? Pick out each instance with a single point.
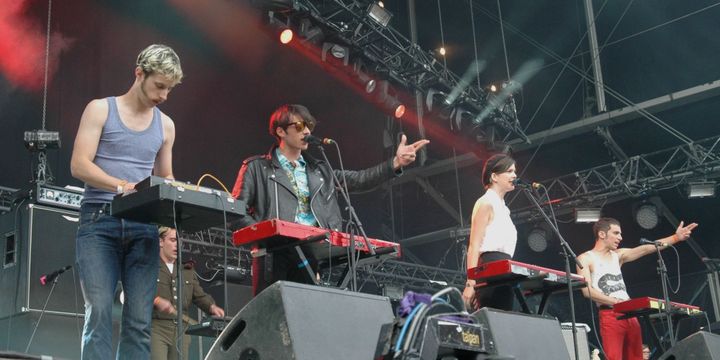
(701, 189)
(587, 215)
(377, 13)
(646, 215)
(537, 239)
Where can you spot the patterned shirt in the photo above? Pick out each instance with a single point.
(297, 173)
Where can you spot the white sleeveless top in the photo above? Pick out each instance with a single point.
(500, 234)
(607, 277)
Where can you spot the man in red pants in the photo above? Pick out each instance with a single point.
(621, 339)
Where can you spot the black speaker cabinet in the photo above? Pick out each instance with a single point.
(520, 336)
(38, 240)
(698, 346)
(297, 321)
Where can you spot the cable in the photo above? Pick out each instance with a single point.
(216, 180)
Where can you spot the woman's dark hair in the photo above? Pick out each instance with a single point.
(497, 163)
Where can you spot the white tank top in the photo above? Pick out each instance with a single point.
(607, 277)
(500, 234)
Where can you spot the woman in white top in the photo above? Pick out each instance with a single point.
(492, 234)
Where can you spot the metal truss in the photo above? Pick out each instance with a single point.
(209, 245)
(390, 55)
(389, 51)
(637, 176)
(399, 274)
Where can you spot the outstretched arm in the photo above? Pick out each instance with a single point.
(681, 234)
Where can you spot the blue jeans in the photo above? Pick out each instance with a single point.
(109, 249)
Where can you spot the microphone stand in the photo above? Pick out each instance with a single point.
(354, 220)
(567, 253)
(662, 271)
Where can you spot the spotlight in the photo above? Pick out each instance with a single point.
(587, 215)
(390, 101)
(646, 215)
(442, 51)
(37, 140)
(368, 83)
(493, 88)
(399, 110)
(701, 189)
(378, 13)
(538, 239)
(286, 36)
(337, 51)
(310, 33)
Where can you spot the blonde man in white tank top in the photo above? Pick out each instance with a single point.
(492, 234)
(621, 339)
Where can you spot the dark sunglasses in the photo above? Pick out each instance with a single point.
(300, 126)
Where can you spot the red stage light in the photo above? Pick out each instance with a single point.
(399, 111)
(286, 36)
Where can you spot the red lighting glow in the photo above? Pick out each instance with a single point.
(399, 111)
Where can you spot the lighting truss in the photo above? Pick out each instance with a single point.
(390, 55)
(639, 175)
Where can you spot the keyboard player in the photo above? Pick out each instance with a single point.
(621, 339)
(288, 184)
(492, 233)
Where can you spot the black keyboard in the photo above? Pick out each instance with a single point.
(210, 326)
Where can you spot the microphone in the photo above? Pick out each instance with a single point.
(656, 242)
(310, 139)
(51, 276)
(524, 184)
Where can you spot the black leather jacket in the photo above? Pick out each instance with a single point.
(266, 189)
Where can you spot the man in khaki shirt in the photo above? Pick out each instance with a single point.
(163, 344)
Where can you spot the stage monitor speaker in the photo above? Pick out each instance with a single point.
(38, 240)
(520, 336)
(297, 321)
(581, 331)
(698, 346)
(57, 336)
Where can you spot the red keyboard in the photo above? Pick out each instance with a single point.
(502, 270)
(274, 233)
(648, 304)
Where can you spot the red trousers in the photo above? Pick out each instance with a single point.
(621, 339)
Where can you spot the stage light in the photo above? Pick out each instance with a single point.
(587, 215)
(538, 239)
(388, 99)
(286, 36)
(337, 51)
(442, 51)
(37, 140)
(646, 215)
(368, 83)
(378, 13)
(701, 189)
(310, 33)
(399, 110)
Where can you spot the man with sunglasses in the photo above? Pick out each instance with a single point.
(289, 184)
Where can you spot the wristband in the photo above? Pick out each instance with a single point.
(121, 187)
(156, 301)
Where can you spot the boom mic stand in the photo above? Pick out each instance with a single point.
(662, 271)
(352, 221)
(567, 253)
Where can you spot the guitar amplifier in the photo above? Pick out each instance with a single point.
(37, 240)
